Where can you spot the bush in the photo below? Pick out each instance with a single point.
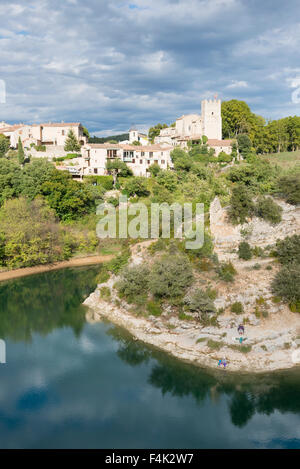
(237, 307)
(137, 186)
(40, 147)
(133, 282)
(105, 293)
(154, 308)
(105, 181)
(286, 283)
(245, 251)
(241, 204)
(116, 264)
(226, 271)
(200, 302)
(267, 209)
(289, 187)
(170, 276)
(288, 250)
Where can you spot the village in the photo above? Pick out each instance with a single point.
(138, 152)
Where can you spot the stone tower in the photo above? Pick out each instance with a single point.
(211, 118)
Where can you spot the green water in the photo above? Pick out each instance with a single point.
(68, 384)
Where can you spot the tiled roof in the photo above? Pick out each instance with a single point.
(213, 142)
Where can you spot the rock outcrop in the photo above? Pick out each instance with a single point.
(259, 232)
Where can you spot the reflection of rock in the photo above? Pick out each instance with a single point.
(260, 233)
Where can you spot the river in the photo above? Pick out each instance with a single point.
(69, 384)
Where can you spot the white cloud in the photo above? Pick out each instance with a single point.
(237, 84)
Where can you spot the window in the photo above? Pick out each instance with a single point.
(63, 132)
(95, 171)
(150, 154)
(148, 161)
(162, 153)
(141, 161)
(162, 161)
(142, 153)
(133, 161)
(111, 153)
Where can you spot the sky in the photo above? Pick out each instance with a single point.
(112, 64)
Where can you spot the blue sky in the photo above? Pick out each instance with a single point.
(110, 64)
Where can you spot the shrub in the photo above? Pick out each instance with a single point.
(133, 282)
(286, 283)
(214, 345)
(136, 186)
(288, 249)
(105, 293)
(241, 204)
(105, 181)
(289, 187)
(267, 209)
(200, 302)
(237, 307)
(154, 308)
(103, 275)
(116, 264)
(40, 147)
(226, 271)
(170, 276)
(245, 251)
(113, 201)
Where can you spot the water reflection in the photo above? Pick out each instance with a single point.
(70, 384)
(248, 394)
(45, 302)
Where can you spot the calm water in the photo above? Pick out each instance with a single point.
(68, 384)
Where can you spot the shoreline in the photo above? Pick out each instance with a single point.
(181, 341)
(75, 262)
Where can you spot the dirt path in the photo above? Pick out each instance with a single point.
(76, 262)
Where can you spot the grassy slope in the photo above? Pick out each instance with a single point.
(285, 159)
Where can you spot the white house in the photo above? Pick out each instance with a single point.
(43, 134)
(138, 158)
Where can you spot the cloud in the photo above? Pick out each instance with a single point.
(108, 64)
(237, 84)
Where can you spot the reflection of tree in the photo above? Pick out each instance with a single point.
(249, 394)
(42, 303)
(130, 351)
(242, 409)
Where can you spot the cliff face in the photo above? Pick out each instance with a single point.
(259, 232)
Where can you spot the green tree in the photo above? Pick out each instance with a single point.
(288, 250)
(155, 131)
(154, 169)
(245, 251)
(170, 276)
(137, 186)
(241, 204)
(72, 143)
(31, 233)
(10, 179)
(267, 209)
(4, 145)
(21, 155)
(289, 187)
(286, 283)
(244, 144)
